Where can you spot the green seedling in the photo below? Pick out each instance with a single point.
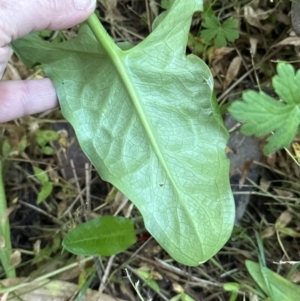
(44, 180)
(182, 297)
(43, 138)
(46, 253)
(146, 118)
(219, 33)
(264, 115)
(273, 285)
(148, 279)
(233, 288)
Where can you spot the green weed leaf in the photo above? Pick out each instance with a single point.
(146, 119)
(47, 186)
(44, 137)
(45, 192)
(104, 236)
(221, 33)
(273, 285)
(41, 175)
(263, 114)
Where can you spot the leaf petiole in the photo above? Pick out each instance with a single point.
(102, 36)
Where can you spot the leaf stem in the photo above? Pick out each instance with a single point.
(5, 251)
(102, 36)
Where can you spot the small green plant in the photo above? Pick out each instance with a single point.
(264, 115)
(219, 33)
(44, 138)
(148, 279)
(273, 285)
(146, 118)
(47, 185)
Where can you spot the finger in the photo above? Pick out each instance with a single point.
(19, 98)
(18, 18)
(4, 57)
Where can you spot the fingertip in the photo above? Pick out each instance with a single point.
(28, 16)
(87, 5)
(20, 98)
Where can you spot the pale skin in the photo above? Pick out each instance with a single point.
(18, 18)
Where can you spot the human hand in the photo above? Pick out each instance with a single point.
(18, 18)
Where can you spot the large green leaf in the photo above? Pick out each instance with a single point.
(105, 236)
(273, 285)
(147, 120)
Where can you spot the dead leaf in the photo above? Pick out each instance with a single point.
(254, 16)
(121, 202)
(296, 277)
(177, 288)
(284, 219)
(295, 15)
(296, 148)
(232, 71)
(294, 41)
(245, 170)
(15, 258)
(272, 159)
(219, 53)
(264, 184)
(54, 290)
(282, 18)
(267, 232)
(154, 7)
(253, 45)
(283, 193)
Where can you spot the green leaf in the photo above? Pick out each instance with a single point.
(6, 148)
(286, 84)
(186, 297)
(274, 286)
(231, 287)
(146, 119)
(219, 32)
(47, 150)
(165, 4)
(104, 236)
(45, 192)
(263, 114)
(43, 137)
(41, 175)
(176, 298)
(146, 276)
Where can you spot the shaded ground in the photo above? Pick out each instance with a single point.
(269, 185)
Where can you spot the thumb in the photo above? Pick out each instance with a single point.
(18, 18)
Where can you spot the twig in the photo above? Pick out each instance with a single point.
(106, 273)
(56, 220)
(202, 282)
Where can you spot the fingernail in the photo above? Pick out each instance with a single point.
(85, 4)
